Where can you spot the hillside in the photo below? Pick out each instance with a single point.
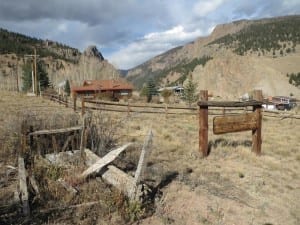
(243, 55)
(60, 61)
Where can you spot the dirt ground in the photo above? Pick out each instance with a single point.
(231, 186)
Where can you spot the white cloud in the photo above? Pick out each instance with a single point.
(151, 45)
(202, 8)
(62, 27)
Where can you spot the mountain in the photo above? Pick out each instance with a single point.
(60, 61)
(234, 59)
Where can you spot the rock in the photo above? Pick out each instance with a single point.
(92, 51)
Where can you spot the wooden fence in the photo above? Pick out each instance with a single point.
(86, 103)
(91, 104)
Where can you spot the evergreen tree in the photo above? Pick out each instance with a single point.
(190, 91)
(67, 87)
(150, 89)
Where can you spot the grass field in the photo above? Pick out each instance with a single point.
(231, 186)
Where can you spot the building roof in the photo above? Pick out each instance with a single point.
(103, 85)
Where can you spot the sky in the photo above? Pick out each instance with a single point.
(129, 32)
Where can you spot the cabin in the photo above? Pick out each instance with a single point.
(111, 89)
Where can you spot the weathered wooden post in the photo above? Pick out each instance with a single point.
(256, 133)
(203, 124)
(74, 101)
(146, 150)
(86, 122)
(66, 101)
(24, 198)
(24, 128)
(82, 106)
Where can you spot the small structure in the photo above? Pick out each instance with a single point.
(284, 102)
(114, 89)
(177, 90)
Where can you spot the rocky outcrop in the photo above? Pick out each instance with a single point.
(88, 65)
(92, 51)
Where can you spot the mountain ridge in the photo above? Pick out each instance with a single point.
(163, 67)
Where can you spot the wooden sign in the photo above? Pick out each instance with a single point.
(235, 123)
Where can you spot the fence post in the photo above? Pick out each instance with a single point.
(82, 106)
(256, 133)
(66, 101)
(203, 124)
(74, 101)
(24, 128)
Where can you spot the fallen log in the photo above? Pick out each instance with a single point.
(120, 180)
(101, 162)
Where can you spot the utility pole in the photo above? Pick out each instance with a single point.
(34, 71)
(17, 75)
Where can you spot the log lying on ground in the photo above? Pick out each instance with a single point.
(108, 158)
(120, 180)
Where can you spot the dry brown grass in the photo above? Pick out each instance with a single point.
(231, 186)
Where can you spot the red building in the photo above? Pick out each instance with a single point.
(114, 89)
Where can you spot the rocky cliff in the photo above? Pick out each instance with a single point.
(61, 62)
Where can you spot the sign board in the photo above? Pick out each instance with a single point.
(235, 123)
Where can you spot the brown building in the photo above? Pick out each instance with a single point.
(113, 89)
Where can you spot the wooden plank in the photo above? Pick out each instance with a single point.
(235, 123)
(23, 187)
(108, 158)
(56, 131)
(97, 102)
(230, 103)
(139, 173)
(119, 179)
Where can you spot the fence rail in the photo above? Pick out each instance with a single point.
(215, 107)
